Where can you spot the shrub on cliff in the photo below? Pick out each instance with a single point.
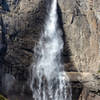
(3, 98)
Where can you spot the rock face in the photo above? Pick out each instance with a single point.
(89, 80)
(21, 23)
(81, 20)
(86, 95)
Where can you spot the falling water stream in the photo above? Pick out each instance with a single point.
(49, 81)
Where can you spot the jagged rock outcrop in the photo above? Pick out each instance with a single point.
(89, 80)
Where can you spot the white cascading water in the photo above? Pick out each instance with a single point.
(49, 81)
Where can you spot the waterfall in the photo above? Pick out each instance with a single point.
(49, 81)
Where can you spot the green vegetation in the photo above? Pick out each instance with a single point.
(3, 98)
(99, 71)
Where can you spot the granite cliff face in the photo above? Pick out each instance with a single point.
(21, 22)
(81, 19)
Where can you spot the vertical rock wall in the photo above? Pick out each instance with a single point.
(81, 20)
